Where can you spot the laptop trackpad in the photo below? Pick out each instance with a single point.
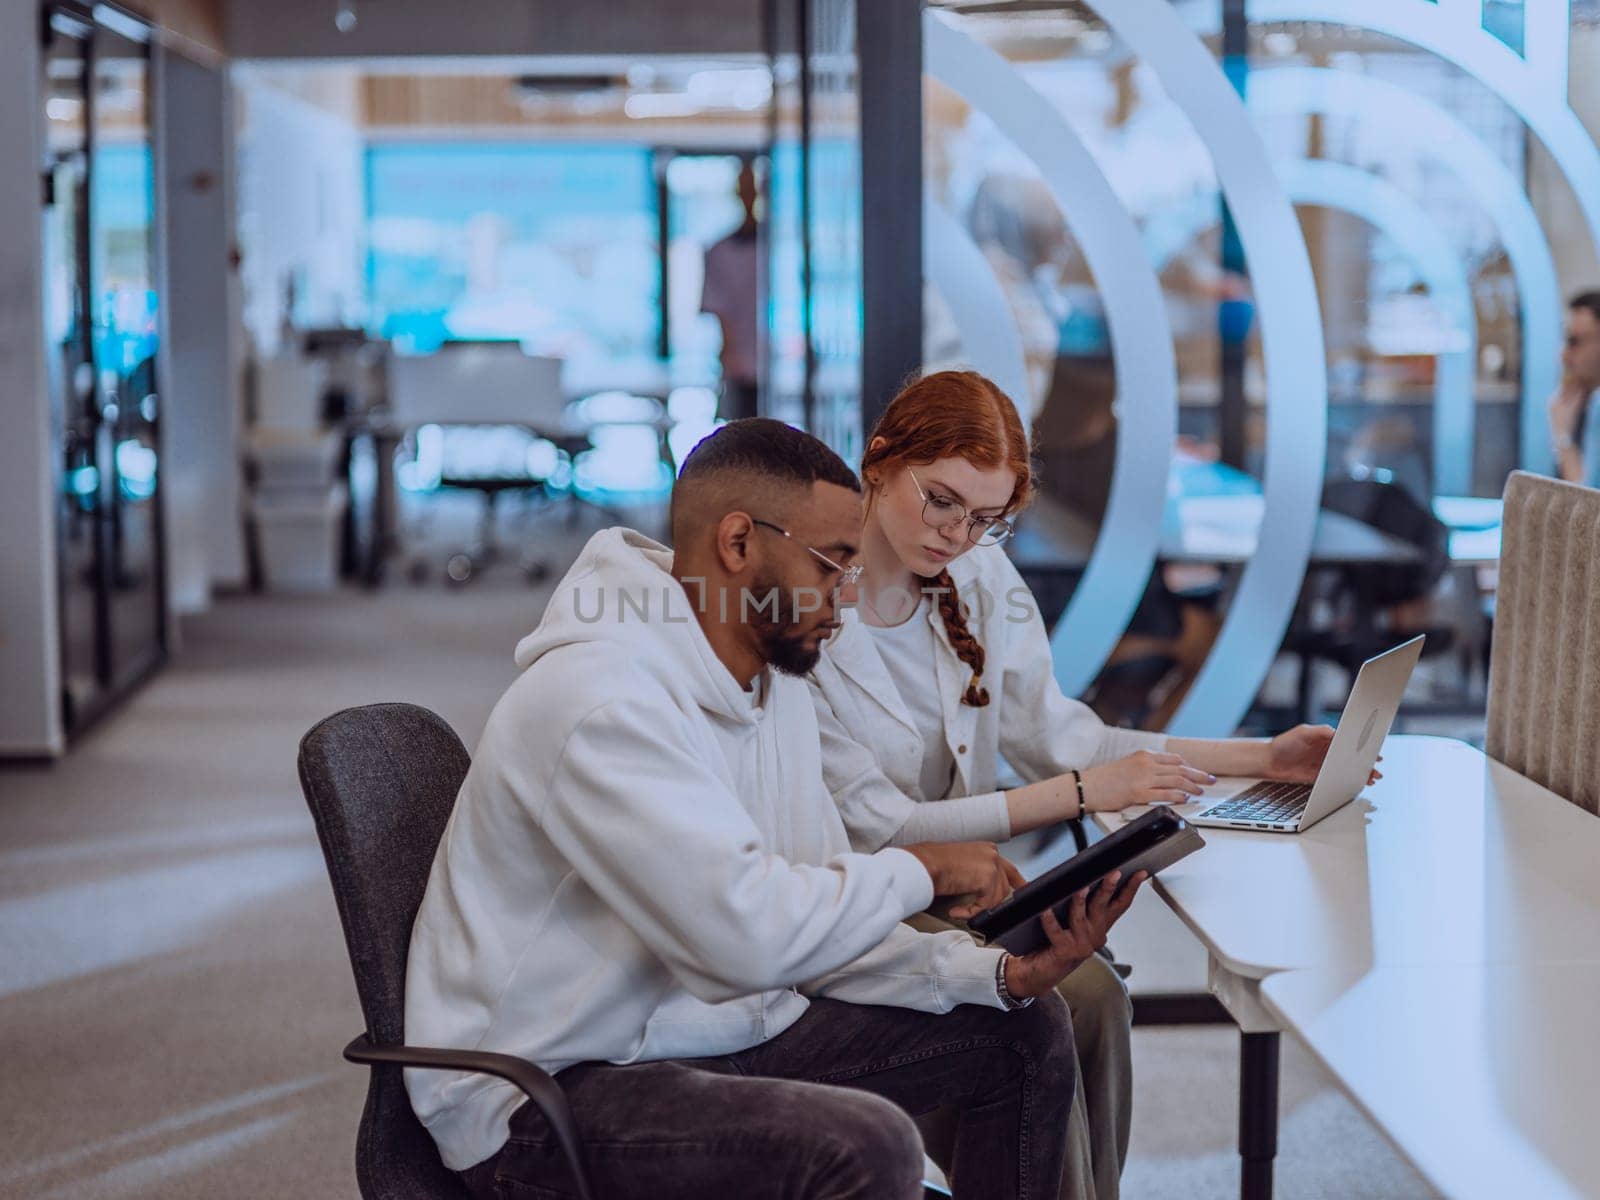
(1223, 789)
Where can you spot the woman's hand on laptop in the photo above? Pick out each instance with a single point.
(1090, 916)
(975, 871)
(1296, 755)
(1145, 777)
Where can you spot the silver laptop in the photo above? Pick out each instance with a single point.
(1293, 807)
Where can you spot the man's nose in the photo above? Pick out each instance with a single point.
(848, 593)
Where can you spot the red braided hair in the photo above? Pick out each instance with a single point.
(952, 414)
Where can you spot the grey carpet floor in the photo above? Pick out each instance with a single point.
(174, 990)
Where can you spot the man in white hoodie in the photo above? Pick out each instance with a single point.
(646, 887)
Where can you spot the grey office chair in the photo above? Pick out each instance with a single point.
(1544, 686)
(381, 781)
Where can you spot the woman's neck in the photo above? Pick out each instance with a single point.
(889, 590)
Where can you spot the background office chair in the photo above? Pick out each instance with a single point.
(381, 781)
(1544, 684)
(1160, 653)
(1366, 596)
(493, 404)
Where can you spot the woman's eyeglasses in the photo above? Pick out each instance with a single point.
(941, 512)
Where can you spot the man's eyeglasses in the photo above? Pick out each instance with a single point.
(847, 575)
(941, 512)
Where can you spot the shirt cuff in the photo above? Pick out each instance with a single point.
(912, 883)
(967, 974)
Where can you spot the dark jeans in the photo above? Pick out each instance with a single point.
(822, 1110)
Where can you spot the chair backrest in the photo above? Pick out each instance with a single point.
(381, 781)
(1544, 668)
(1390, 508)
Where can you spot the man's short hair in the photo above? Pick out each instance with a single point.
(1587, 300)
(778, 452)
(754, 457)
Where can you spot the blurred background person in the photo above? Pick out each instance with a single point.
(731, 293)
(1574, 428)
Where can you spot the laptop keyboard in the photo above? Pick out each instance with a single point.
(1265, 801)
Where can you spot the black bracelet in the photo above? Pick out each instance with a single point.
(1083, 805)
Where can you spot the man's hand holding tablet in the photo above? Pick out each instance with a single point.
(1090, 916)
(1081, 894)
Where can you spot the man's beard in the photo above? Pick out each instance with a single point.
(783, 647)
(786, 652)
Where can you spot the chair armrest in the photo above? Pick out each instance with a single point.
(540, 1088)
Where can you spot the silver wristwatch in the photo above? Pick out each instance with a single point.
(1010, 1002)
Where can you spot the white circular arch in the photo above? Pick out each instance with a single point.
(1292, 347)
(1141, 340)
(1298, 90)
(1533, 84)
(1380, 204)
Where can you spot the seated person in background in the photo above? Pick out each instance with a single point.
(944, 668)
(646, 888)
(1575, 408)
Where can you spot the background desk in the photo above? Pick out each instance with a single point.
(1207, 530)
(1474, 523)
(1221, 530)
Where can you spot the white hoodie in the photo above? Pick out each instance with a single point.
(644, 863)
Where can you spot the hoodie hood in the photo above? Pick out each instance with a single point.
(621, 591)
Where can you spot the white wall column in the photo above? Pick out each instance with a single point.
(202, 335)
(30, 683)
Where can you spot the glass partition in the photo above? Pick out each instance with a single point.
(74, 409)
(1442, 180)
(122, 208)
(102, 331)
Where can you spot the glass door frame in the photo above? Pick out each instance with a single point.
(114, 680)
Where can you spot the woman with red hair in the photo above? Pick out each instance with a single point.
(942, 674)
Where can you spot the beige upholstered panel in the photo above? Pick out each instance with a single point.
(1544, 673)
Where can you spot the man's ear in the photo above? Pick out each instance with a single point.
(734, 535)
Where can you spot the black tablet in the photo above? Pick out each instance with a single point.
(1149, 843)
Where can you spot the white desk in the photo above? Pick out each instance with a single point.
(1449, 858)
(1451, 868)
(1486, 1076)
